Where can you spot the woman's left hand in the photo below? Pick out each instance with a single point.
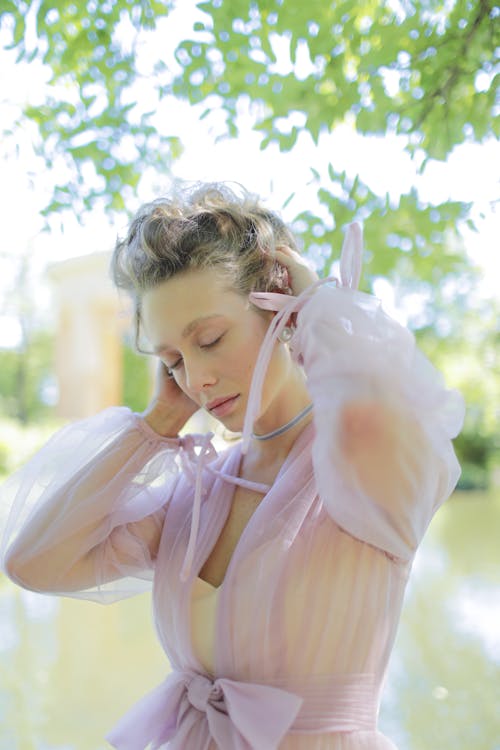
(300, 273)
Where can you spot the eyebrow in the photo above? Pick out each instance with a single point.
(189, 329)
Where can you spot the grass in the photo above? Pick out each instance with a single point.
(18, 442)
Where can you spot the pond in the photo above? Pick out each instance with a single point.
(70, 668)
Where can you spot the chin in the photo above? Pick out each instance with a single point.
(231, 425)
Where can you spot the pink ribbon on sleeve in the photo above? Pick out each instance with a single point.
(351, 257)
(284, 305)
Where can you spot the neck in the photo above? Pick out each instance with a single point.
(274, 450)
(286, 427)
(264, 457)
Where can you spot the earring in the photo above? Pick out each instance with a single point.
(286, 334)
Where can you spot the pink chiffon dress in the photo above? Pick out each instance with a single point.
(291, 650)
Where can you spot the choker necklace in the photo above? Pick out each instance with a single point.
(287, 426)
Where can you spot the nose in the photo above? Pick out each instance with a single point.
(198, 378)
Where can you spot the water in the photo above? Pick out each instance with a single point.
(443, 686)
(70, 668)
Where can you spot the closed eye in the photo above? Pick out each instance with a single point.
(212, 343)
(177, 364)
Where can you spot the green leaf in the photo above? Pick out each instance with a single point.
(373, 68)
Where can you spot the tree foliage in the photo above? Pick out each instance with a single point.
(136, 379)
(423, 70)
(466, 345)
(89, 121)
(25, 375)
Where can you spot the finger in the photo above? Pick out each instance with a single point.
(286, 252)
(284, 260)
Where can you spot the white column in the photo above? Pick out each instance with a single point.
(91, 319)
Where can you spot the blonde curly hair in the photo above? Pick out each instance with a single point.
(206, 225)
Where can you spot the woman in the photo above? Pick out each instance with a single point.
(278, 566)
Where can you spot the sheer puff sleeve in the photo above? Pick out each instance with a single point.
(382, 455)
(83, 517)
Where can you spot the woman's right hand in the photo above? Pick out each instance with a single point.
(170, 408)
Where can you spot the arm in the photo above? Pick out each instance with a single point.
(384, 420)
(84, 511)
(383, 455)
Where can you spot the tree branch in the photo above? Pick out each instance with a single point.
(443, 90)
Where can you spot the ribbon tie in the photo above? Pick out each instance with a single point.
(351, 257)
(193, 465)
(350, 272)
(238, 715)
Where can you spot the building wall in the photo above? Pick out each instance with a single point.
(91, 321)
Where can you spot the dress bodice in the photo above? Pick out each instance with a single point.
(204, 598)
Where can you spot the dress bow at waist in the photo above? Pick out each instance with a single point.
(239, 715)
(244, 715)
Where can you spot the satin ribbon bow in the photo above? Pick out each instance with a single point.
(238, 715)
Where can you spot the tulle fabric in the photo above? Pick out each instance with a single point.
(302, 601)
(383, 456)
(97, 491)
(314, 589)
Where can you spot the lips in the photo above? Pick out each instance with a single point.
(218, 401)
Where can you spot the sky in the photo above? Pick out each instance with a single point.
(470, 174)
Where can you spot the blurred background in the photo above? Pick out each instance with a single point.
(387, 113)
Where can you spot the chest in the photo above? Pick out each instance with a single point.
(243, 506)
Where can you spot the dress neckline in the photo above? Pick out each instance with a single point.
(207, 584)
(236, 456)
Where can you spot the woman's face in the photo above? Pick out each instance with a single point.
(209, 335)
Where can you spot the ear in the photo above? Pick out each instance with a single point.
(282, 278)
(280, 290)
